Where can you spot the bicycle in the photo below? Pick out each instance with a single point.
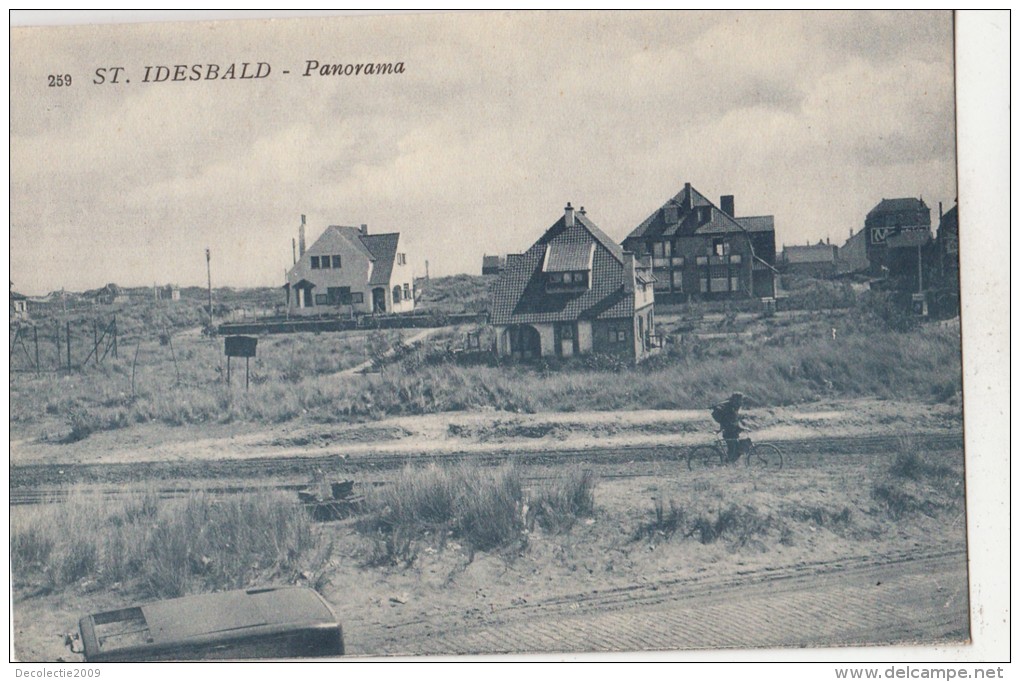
(765, 455)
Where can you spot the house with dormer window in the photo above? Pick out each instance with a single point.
(349, 271)
(575, 291)
(702, 251)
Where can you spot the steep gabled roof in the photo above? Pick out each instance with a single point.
(519, 296)
(384, 250)
(683, 215)
(352, 235)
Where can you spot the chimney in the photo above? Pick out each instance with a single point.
(688, 198)
(301, 237)
(726, 204)
(628, 272)
(583, 212)
(293, 249)
(364, 230)
(568, 215)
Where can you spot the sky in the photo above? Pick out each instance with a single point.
(497, 121)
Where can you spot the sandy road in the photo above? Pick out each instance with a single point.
(894, 598)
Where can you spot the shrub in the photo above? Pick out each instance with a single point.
(480, 507)
(557, 506)
(665, 524)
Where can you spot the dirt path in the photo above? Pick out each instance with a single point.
(367, 364)
(900, 597)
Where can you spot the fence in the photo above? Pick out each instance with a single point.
(409, 321)
(61, 346)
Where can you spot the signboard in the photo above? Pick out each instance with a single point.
(240, 346)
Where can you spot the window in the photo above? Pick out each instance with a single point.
(407, 292)
(617, 335)
(703, 276)
(321, 299)
(678, 280)
(734, 282)
(315, 262)
(396, 294)
(336, 262)
(661, 280)
(324, 262)
(662, 249)
(358, 297)
(720, 247)
(401, 259)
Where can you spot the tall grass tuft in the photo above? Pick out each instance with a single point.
(478, 506)
(168, 548)
(558, 505)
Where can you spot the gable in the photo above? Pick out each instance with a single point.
(520, 296)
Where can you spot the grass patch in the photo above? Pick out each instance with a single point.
(914, 484)
(477, 506)
(558, 505)
(665, 524)
(164, 548)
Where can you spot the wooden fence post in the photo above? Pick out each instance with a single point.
(68, 346)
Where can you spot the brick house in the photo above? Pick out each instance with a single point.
(347, 270)
(702, 251)
(575, 291)
(813, 260)
(888, 218)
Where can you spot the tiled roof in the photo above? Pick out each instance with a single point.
(758, 223)
(568, 257)
(903, 204)
(384, 249)
(815, 253)
(682, 216)
(519, 295)
(353, 235)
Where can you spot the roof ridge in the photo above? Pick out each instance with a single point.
(601, 237)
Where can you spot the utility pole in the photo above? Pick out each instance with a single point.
(208, 274)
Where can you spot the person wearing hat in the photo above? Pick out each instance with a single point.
(727, 415)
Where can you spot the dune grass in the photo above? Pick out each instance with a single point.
(164, 548)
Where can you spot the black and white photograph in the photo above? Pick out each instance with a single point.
(496, 333)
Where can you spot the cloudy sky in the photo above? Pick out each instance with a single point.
(497, 122)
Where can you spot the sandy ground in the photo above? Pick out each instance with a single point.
(478, 432)
(578, 590)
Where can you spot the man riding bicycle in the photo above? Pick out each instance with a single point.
(727, 415)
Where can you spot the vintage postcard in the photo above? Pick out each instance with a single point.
(486, 333)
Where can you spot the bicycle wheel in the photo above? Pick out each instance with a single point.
(704, 457)
(766, 455)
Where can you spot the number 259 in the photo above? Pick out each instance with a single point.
(59, 80)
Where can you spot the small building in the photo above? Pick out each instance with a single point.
(169, 292)
(110, 294)
(852, 257)
(813, 260)
(891, 217)
(575, 291)
(948, 247)
(19, 306)
(349, 271)
(702, 251)
(492, 265)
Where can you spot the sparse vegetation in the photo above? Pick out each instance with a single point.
(164, 548)
(915, 485)
(479, 507)
(557, 505)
